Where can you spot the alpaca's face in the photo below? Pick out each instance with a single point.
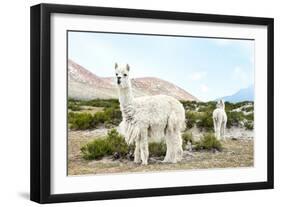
(220, 104)
(122, 75)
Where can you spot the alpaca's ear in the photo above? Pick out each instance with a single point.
(116, 66)
(128, 67)
(222, 104)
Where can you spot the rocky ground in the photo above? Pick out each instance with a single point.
(238, 151)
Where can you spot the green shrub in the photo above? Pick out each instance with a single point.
(114, 116)
(243, 103)
(249, 125)
(208, 142)
(98, 148)
(233, 118)
(99, 118)
(106, 103)
(229, 106)
(187, 137)
(80, 120)
(73, 106)
(210, 107)
(71, 117)
(248, 109)
(157, 149)
(115, 143)
(200, 104)
(190, 119)
(249, 117)
(206, 121)
(109, 117)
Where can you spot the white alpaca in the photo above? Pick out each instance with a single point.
(220, 120)
(147, 117)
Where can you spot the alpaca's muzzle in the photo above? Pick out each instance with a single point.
(118, 80)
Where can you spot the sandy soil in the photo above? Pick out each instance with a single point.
(237, 152)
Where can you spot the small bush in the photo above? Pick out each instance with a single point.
(208, 142)
(80, 120)
(206, 121)
(187, 137)
(114, 115)
(249, 125)
(248, 109)
(99, 118)
(208, 108)
(115, 143)
(249, 117)
(106, 103)
(73, 106)
(229, 106)
(190, 119)
(157, 149)
(234, 118)
(98, 148)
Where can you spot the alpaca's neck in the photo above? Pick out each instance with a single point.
(126, 103)
(125, 97)
(222, 107)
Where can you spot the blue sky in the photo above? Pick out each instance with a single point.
(208, 68)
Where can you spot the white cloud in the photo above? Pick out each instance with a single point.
(195, 76)
(204, 88)
(240, 74)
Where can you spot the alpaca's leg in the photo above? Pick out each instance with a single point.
(223, 130)
(144, 147)
(137, 156)
(218, 130)
(178, 147)
(215, 126)
(173, 140)
(174, 147)
(169, 145)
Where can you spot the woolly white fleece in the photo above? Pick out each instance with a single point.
(220, 120)
(149, 117)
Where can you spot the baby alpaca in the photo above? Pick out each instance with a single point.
(147, 117)
(220, 120)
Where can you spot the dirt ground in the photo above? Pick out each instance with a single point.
(236, 153)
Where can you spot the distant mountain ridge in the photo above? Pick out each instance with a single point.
(82, 84)
(245, 94)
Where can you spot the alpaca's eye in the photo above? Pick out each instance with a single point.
(125, 75)
(116, 74)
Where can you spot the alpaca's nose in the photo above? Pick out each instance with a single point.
(118, 80)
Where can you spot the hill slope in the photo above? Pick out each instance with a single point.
(245, 94)
(82, 84)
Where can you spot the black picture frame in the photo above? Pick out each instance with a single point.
(41, 102)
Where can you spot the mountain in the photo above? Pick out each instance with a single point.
(82, 84)
(245, 94)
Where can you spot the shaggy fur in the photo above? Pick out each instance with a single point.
(148, 117)
(220, 120)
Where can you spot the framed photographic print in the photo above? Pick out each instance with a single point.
(132, 103)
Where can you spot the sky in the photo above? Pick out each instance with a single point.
(208, 68)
